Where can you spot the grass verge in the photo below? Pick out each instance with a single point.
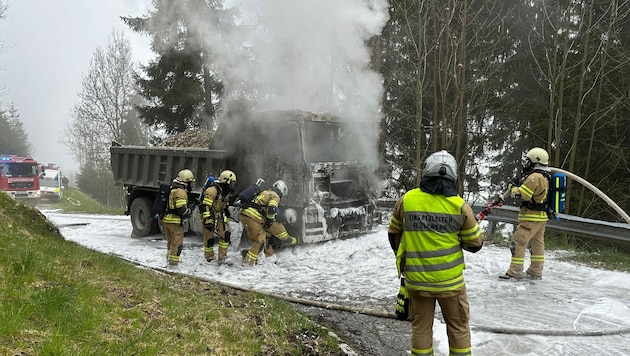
(75, 201)
(59, 298)
(590, 252)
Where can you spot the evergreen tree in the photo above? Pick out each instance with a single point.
(180, 87)
(14, 139)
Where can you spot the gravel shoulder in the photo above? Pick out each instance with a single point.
(365, 334)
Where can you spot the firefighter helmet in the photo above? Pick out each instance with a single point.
(281, 188)
(538, 155)
(440, 164)
(227, 177)
(290, 216)
(186, 176)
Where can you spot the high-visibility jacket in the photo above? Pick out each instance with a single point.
(177, 203)
(265, 207)
(215, 201)
(430, 245)
(534, 189)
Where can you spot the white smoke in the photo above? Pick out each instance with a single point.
(309, 55)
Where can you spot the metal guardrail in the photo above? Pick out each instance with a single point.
(566, 224)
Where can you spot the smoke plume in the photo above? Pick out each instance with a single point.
(309, 55)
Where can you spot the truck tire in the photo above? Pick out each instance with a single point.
(142, 218)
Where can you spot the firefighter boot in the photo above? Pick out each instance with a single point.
(250, 259)
(223, 248)
(268, 250)
(208, 253)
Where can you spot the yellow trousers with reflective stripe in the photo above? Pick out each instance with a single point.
(174, 241)
(456, 313)
(528, 232)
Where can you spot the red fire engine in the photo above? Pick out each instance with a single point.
(19, 178)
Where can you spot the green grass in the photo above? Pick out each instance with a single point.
(75, 201)
(610, 256)
(586, 251)
(59, 298)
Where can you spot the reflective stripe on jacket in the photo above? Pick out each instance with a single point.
(265, 200)
(214, 202)
(177, 199)
(534, 188)
(430, 242)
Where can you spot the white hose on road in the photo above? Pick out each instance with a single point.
(548, 332)
(384, 314)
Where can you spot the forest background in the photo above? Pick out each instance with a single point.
(485, 80)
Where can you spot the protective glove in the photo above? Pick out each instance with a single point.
(514, 191)
(191, 206)
(227, 236)
(293, 240)
(402, 303)
(267, 223)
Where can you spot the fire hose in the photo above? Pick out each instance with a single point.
(594, 189)
(391, 315)
(499, 201)
(486, 328)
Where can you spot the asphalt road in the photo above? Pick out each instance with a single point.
(365, 334)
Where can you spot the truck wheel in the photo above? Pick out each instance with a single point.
(142, 218)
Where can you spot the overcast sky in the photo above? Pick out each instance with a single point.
(47, 49)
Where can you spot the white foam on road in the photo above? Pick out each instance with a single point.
(361, 272)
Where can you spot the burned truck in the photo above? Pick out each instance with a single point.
(332, 185)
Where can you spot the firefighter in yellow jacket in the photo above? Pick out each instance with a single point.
(178, 210)
(259, 217)
(214, 215)
(429, 228)
(532, 217)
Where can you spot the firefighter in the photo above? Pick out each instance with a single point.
(259, 216)
(428, 229)
(178, 209)
(214, 214)
(532, 216)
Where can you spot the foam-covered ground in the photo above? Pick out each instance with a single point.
(573, 310)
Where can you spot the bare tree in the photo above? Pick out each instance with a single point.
(105, 103)
(100, 116)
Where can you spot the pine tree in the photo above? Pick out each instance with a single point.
(14, 139)
(179, 86)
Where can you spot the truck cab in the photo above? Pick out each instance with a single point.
(19, 178)
(50, 185)
(331, 180)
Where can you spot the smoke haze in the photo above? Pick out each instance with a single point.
(306, 55)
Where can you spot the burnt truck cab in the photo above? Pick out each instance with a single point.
(331, 183)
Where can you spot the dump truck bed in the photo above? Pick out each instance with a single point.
(147, 166)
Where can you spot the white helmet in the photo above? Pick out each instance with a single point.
(281, 188)
(227, 177)
(290, 216)
(538, 155)
(186, 176)
(440, 164)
